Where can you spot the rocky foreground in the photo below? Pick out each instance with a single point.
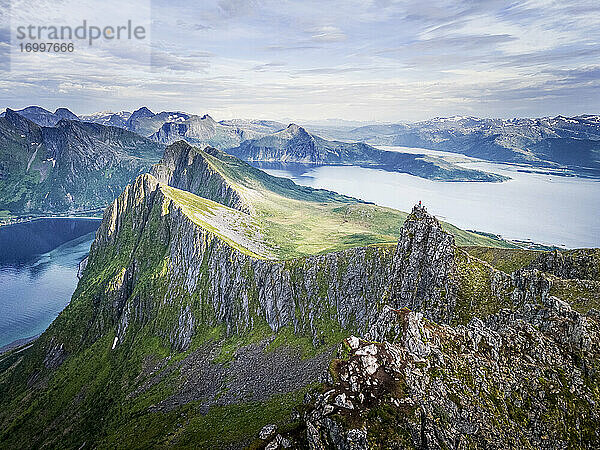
(525, 377)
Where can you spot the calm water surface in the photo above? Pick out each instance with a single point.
(545, 208)
(38, 272)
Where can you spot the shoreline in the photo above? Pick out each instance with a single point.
(19, 220)
(17, 344)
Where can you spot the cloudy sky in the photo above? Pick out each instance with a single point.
(363, 60)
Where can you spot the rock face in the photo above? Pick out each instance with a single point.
(583, 264)
(313, 294)
(518, 379)
(237, 290)
(187, 168)
(423, 266)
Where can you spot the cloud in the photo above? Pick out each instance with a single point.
(237, 8)
(383, 59)
(268, 66)
(328, 33)
(191, 26)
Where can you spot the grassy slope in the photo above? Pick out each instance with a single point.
(506, 260)
(298, 220)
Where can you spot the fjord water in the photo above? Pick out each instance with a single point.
(535, 205)
(38, 272)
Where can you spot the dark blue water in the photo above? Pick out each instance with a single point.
(38, 272)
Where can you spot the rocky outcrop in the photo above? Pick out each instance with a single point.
(582, 264)
(423, 268)
(519, 379)
(81, 267)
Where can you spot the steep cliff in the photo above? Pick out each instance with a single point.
(212, 274)
(184, 167)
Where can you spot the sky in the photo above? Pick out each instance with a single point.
(364, 60)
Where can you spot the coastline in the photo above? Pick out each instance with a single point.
(18, 345)
(87, 214)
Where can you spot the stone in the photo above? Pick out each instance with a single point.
(267, 431)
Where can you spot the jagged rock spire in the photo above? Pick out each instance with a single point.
(423, 266)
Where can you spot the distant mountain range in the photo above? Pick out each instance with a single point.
(295, 144)
(568, 143)
(108, 118)
(43, 117)
(68, 166)
(572, 143)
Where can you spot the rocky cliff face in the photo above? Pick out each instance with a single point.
(578, 264)
(186, 168)
(208, 282)
(423, 268)
(519, 379)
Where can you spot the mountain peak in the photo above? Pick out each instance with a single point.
(65, 113)
(17, 120)
(137, 114)
(35, 109)
(140, 113)
(186, 167)
(423, 266)
(143, 111)
(420, 219)
(292, 130)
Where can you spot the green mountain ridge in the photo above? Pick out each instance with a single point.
(191, 327)
(295, 220)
